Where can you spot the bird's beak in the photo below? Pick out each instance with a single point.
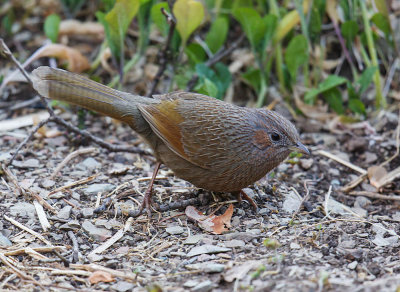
(299, 147)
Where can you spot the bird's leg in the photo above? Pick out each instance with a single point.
(241, 195)
(147, 202)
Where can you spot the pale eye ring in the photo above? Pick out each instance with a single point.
(275, 137)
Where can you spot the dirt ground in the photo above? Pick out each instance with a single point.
(307, 235)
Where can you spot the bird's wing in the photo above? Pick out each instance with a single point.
(179, 120)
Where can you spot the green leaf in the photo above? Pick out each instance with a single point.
(51, 27)
(253, 78)
(316, 19)
(382, 7)
(217, 34)
(224, 79)
(349, 30)
(159, 18)
(238, 4)
(382, 22)
(329, 83)
(251, 23)
(357, 106)
(333, 97)
(196, 53)
(116, 23)
(270, 24)
(296, 55)
(365, 79)
(204, 71)
(189, 14)
(221, 78)
(208, 88)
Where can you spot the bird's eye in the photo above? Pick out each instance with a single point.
(275, 137)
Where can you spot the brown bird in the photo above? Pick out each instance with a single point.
(212, 144)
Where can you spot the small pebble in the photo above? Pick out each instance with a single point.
(174, 230)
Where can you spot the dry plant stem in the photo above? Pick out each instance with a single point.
(304, 199)
(94, 267)
(41, 249)
(374, 195)
(71, 156)
(20, 274)
(30, 231)
(53, 117)
(117, 236)
(44, 222)
(359, 179)
(73, 184)
(215, 59)
(165, 53)
(20, 191)
(340, 160)
(29, 137)
(25, 103)
(75, 247)
(180, 204)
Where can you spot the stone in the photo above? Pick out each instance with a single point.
(193, 239)
(122, 286)
(207, 249)
(87, 212)
(174, 230)
(65, 212)
(235, 243)
(98, 234)
(94, 189)
(29, 163)
(352, 265)
(23, 209)
(203, 286)
(306, 163)
(89, 164)
(292, 202)
(4, 241)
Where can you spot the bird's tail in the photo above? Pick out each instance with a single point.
(76, 89)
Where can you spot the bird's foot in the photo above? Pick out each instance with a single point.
(243, 196)
(147, 201)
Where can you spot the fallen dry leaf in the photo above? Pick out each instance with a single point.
(317, 112)
(214, 224)
(100, 276)
(76, 61)
(75, 27)
(240, 270)
(376, 174)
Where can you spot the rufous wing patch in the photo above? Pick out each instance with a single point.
(261, 139)
(164, 119)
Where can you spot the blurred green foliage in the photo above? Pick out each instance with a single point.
(292, 44)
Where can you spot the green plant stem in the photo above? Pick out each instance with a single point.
(278, 50)
(299, 8)
(380, 100)
(128, 66)
(263, 92)
(365, 56)
(217, 8)
(97, 61)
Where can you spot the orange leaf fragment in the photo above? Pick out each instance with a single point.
(100, 276)
(376, 174)
(214, 224)
(76, 61)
